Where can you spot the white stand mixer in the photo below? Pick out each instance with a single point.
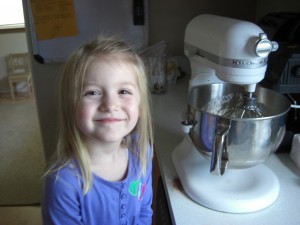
(225, 50)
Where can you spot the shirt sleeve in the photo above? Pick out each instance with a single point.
(60, 200)
(146, 207)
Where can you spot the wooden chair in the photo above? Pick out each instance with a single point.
(19, 71)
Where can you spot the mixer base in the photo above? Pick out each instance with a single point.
(237, 191)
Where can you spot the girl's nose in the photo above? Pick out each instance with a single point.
(109, 103)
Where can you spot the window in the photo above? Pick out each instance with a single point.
(11, 14)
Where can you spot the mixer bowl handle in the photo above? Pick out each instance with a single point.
(219, 159)
(219, 154)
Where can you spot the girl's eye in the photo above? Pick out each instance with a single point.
(92, 93)
(124, 92)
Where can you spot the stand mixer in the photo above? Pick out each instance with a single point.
(230, 121)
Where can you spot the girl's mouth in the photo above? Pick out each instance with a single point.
(109, 120)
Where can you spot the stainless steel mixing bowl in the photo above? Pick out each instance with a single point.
(235, 142)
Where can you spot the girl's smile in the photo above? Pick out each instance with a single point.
(109, 120)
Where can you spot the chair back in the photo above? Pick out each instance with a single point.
(18, 63)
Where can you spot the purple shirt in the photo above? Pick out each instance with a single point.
(108, 203)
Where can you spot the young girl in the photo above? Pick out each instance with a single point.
(102, 172)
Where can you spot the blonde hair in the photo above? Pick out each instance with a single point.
(70, 140)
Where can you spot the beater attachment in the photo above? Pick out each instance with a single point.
(237, 105)
(245, 107)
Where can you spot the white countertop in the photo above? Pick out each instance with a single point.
(168, 109)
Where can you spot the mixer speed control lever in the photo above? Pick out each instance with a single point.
(264, 46)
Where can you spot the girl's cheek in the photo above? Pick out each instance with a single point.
(82, 115)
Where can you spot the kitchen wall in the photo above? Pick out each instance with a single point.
(167, 21)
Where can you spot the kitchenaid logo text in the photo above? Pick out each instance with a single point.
(249, 63)
(192, 50)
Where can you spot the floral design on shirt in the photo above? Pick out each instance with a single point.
(137, 189)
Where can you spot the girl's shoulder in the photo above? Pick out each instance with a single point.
(135, 164)
(64, 176)
(133, 148)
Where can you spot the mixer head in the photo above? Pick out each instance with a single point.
(236, 50)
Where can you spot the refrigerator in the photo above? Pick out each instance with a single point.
(55, 28)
